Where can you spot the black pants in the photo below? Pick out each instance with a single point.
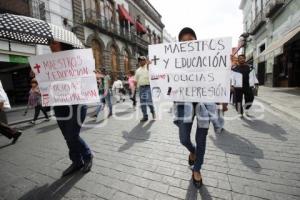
(249, 97)
(7, 131)
(37, 110)
(133, 97)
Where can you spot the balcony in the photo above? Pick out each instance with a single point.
(95, 21)
(272, 6)
(258, 22)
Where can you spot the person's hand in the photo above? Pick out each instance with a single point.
(1, 106)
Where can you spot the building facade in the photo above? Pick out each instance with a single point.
(271, 40)
(118, 31)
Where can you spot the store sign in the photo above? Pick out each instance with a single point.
(18, 59)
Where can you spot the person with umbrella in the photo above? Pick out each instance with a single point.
(79, 152)
(69, 118)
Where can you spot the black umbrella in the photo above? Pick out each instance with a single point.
(31, 30)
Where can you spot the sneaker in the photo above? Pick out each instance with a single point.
(72, 169)
(144, 120)
(47, 119)
(87, 166)
(32, 122)
(16, 136)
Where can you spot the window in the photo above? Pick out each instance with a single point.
(262, 48)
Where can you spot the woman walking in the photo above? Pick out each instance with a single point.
(34, 100)
(185, 113)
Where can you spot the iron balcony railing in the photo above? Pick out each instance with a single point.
(125, 32)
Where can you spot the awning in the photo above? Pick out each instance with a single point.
(140, 28)
(124, 14)
(277, 45)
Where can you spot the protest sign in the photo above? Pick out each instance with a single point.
(191, 71)
(66, 78)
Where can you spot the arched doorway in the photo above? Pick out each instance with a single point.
(97, 51)
(127, 66)
(114, 60)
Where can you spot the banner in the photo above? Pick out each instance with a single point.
(66, 78)
(191, 71)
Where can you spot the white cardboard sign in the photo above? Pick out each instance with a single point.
(191, 71)
(66, 78)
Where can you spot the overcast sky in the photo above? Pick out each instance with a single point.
(209, 18)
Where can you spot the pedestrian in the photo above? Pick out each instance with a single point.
(118, 90)
(108, 92)
(132, 88)
(185, 113)
(69, 120)
(5, 130)
(243, 81)
(143, 83)
(101, 91)
(35, 101)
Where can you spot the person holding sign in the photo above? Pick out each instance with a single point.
(185, 113)
(142, 80)
(69, 120)
(243, 81)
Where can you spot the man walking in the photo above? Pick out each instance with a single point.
(5, 130)
(243, 82)
(142, 80)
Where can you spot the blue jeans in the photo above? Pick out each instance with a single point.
(185, 128)
(218, 120)
(70, 128)
(146, 100)
(100, 106)
(185, 140)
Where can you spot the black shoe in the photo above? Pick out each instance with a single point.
(144, 120)
(197, 184)
(191, 162)
(16, 136)
(154, 116)
(72, 169)
(87, 166)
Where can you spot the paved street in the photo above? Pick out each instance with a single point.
(253, 159)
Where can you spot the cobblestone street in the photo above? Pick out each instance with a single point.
(252, 159)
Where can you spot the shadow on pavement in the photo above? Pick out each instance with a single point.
(47, 129)
(234, 144)
(260, 126)
(192, 192)
(6, 145)
(55, 191)
(139, 133)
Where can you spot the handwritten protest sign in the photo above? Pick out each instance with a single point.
(191, 71)
(66, 78)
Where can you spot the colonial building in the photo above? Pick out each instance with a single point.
(117, 31)
(271, 40)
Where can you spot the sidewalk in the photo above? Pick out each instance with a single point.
(286, 100)
(252, 160)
